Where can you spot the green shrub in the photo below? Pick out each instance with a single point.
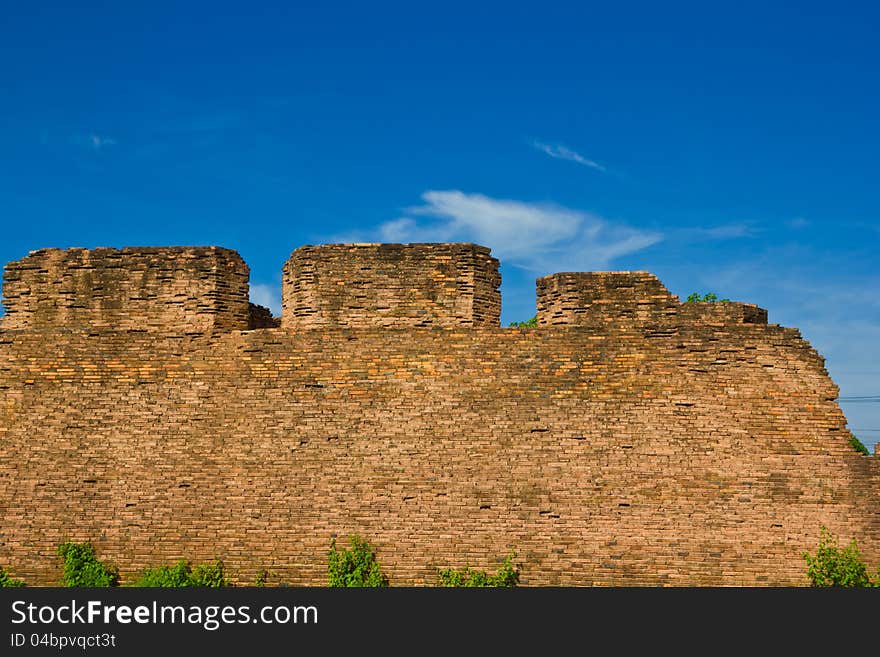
(858, 445)
(82, 568)
(175, 576)
(261, 578)
(9, 582)
(506, 576)
(182, 575)
(710, 297)
(209, 575)
(835, 567)
(355, 567)
(529, 323)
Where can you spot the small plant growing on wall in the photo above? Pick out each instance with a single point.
(833, 566)
(355, 566)
(858, 445)
(83, 569)
(709, 297)
(9, 582)
(182, 575)
(529, 323)
(262, 578)
(507, 575)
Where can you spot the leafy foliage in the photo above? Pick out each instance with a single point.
(209, 575)
(858, 445)
(833, 566)
(83, 569)
(9, 582)
(710, 297)
(182, 575)
(175, 576)
(261, 578)
(356, 566)
(529, 323)
(506, 576)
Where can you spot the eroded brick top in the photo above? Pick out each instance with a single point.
(187, 289)
(391, 285)
(619, 299)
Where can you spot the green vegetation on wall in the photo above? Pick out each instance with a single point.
(356, 566)
(858, 445)
(9, 582)
(710, 297)
(83, 569)
(833, 566)
(507, 575)
(182, 575)
(529, 323)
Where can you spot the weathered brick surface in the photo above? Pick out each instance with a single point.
(705, 453)
(628, 298)
(138, 288)
(261, 317)
(391, 285)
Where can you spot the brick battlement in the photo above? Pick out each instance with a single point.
(205, 289)
(628, 298)
(186, 289)
(391, 285)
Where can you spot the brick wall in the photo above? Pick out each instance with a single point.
(153, 289)
(628, 298)
(391, 285)
(707, 453)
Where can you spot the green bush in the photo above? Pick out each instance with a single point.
(356, 566)
(529, 323)
(506, 576)
(7, 582)
(710, 297)
(182, 575)
(835, 567)
(175, 576)
(209, 575)
(82, 568)
(858, 445)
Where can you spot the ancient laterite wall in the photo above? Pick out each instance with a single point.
(391, 285)
(619, 299)
(192, 289)
(677, 453)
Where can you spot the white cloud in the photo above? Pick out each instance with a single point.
(268, 296)
(726, 231)
(562, 152)
(98, 142)
(542, 238)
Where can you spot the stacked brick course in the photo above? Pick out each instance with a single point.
(623, 298)
(391, 285)
(706, 453)
(145, 288)
(261, 317)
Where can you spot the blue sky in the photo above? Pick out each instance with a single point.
(726, 146)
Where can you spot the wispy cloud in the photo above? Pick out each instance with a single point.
(724, 231)
(540, 237)
(562, 152)
(98, 141)
(268, 296)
